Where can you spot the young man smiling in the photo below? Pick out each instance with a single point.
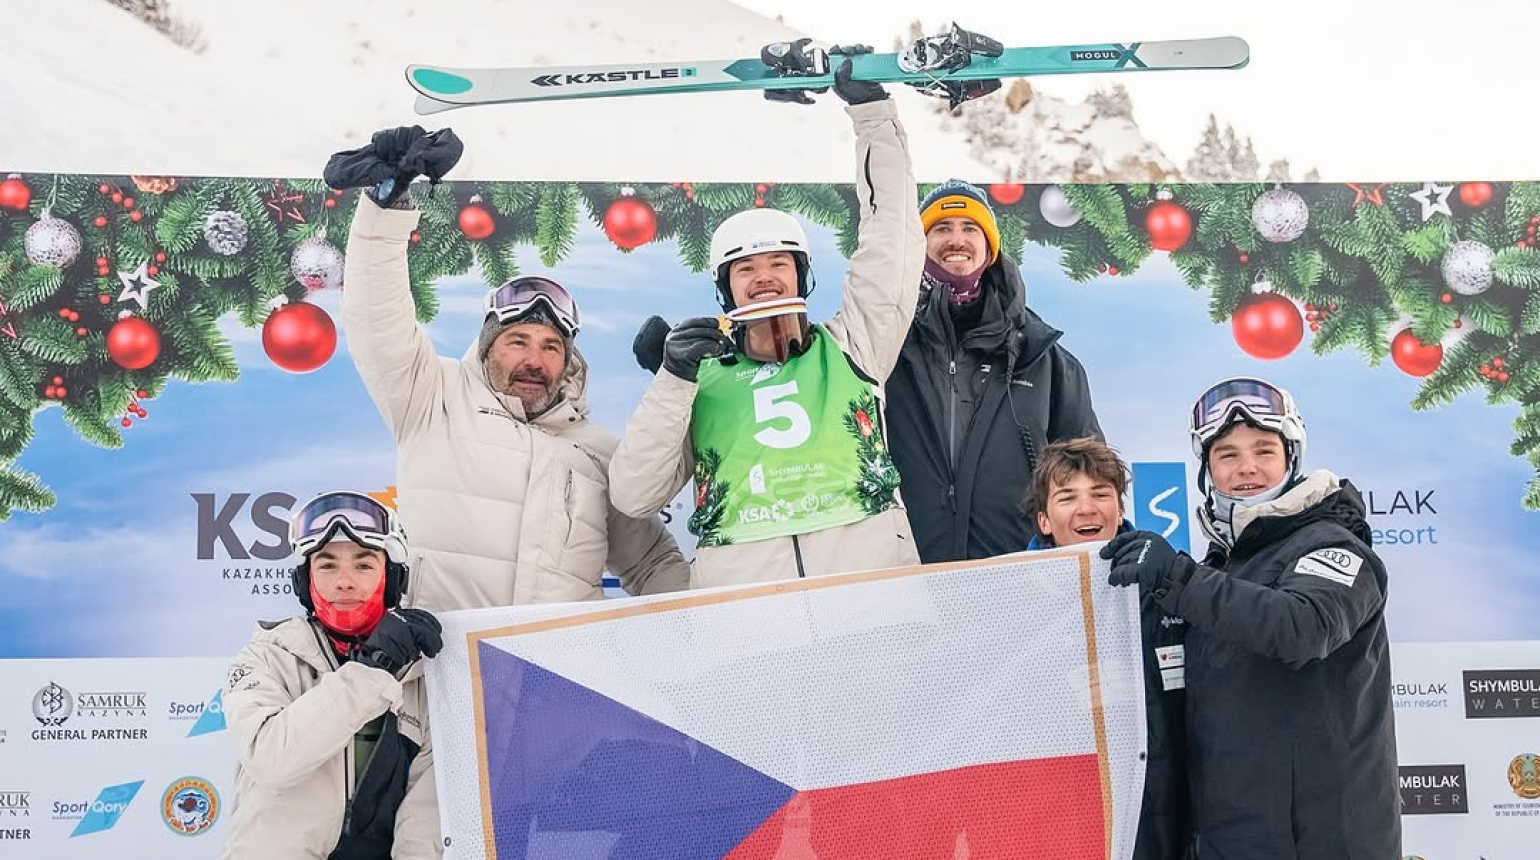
(1076, 496)
(1290, 732)
(780, 423)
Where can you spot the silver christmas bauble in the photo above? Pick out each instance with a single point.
(226, 232)
(317, 264)
(1467, 268)
(51, 241)
(1056, 208)
(1280, 215)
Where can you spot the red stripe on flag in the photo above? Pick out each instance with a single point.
(1040, 808)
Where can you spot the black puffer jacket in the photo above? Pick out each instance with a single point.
(966, 419)
(1290, 724)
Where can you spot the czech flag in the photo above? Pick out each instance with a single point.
(976, 710)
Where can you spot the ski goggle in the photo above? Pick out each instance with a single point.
(1258, 400)
(515, 298)
(784, 321)
(360, 518)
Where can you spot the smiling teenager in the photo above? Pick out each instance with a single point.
(1287, 657)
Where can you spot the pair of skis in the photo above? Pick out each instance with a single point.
(938, 64)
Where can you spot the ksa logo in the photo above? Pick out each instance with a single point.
(103, 812)
(1160, 501)
(206, 717)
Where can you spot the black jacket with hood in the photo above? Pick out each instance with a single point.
(1290, 724)
(966, 419)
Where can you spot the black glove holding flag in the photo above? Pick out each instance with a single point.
(392, 159)
(1145, 558)
(400, 639)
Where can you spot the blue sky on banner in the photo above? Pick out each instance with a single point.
(113, 570)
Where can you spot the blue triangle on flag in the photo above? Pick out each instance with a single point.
(574, 774)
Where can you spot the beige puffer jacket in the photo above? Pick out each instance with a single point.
(881, 289)
(292, 714)
(499, 509)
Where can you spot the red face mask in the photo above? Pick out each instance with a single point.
(354, 623)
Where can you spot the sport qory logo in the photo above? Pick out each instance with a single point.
(189, 806)
(207, 717)
(100, 814)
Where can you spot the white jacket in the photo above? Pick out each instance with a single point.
(499, 509)
(293, 714)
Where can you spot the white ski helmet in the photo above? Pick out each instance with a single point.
(758, 231)
(1252, 401)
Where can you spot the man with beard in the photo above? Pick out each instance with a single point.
(981, 387)
(501, 476)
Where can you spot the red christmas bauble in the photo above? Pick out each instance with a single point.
(133, 343)
(1475, 194)
(1007, 193)
(15, 195)
(476, 222)
(1267, 326)
(1169, 224)
(630, 222)
(299, 337)
(1414, 357)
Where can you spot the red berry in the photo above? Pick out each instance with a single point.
(1309, 306)
(1486, 369)
(127, 423)
(1502, 376)
(128, 202)
(58, 380)
(689, 195)
(1535, 219)
(1245, 258)
(64, 313)
(80, 332)
(759, 201)
(104, 299)
(62, 392)
(1332, 307)
(1315, 326)
(760, 188)
(1112, 270)
(160, 256)
(331, 203)
(101, 221)
(336, 193)
(1497, 361)
(416, 237)
(1446, 298)
(117, 197)
(100, 262)
(50, 392)
(141, 393)
(104, 188)
(135, 216)
(74, 316)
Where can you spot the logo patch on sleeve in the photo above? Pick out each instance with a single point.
(1338, 565)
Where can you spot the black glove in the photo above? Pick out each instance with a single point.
(690, 342)
(1145, 558)
(855, 92)
(648, 345)
(400, 639)
(392, 159)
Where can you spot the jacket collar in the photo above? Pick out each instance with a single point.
(1006, 323)
(1312, 490)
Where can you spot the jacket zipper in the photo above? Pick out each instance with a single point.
(951, 434)
(347, 751)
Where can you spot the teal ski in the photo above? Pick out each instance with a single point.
(932, 64)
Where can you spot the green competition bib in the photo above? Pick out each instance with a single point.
(787, 449)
